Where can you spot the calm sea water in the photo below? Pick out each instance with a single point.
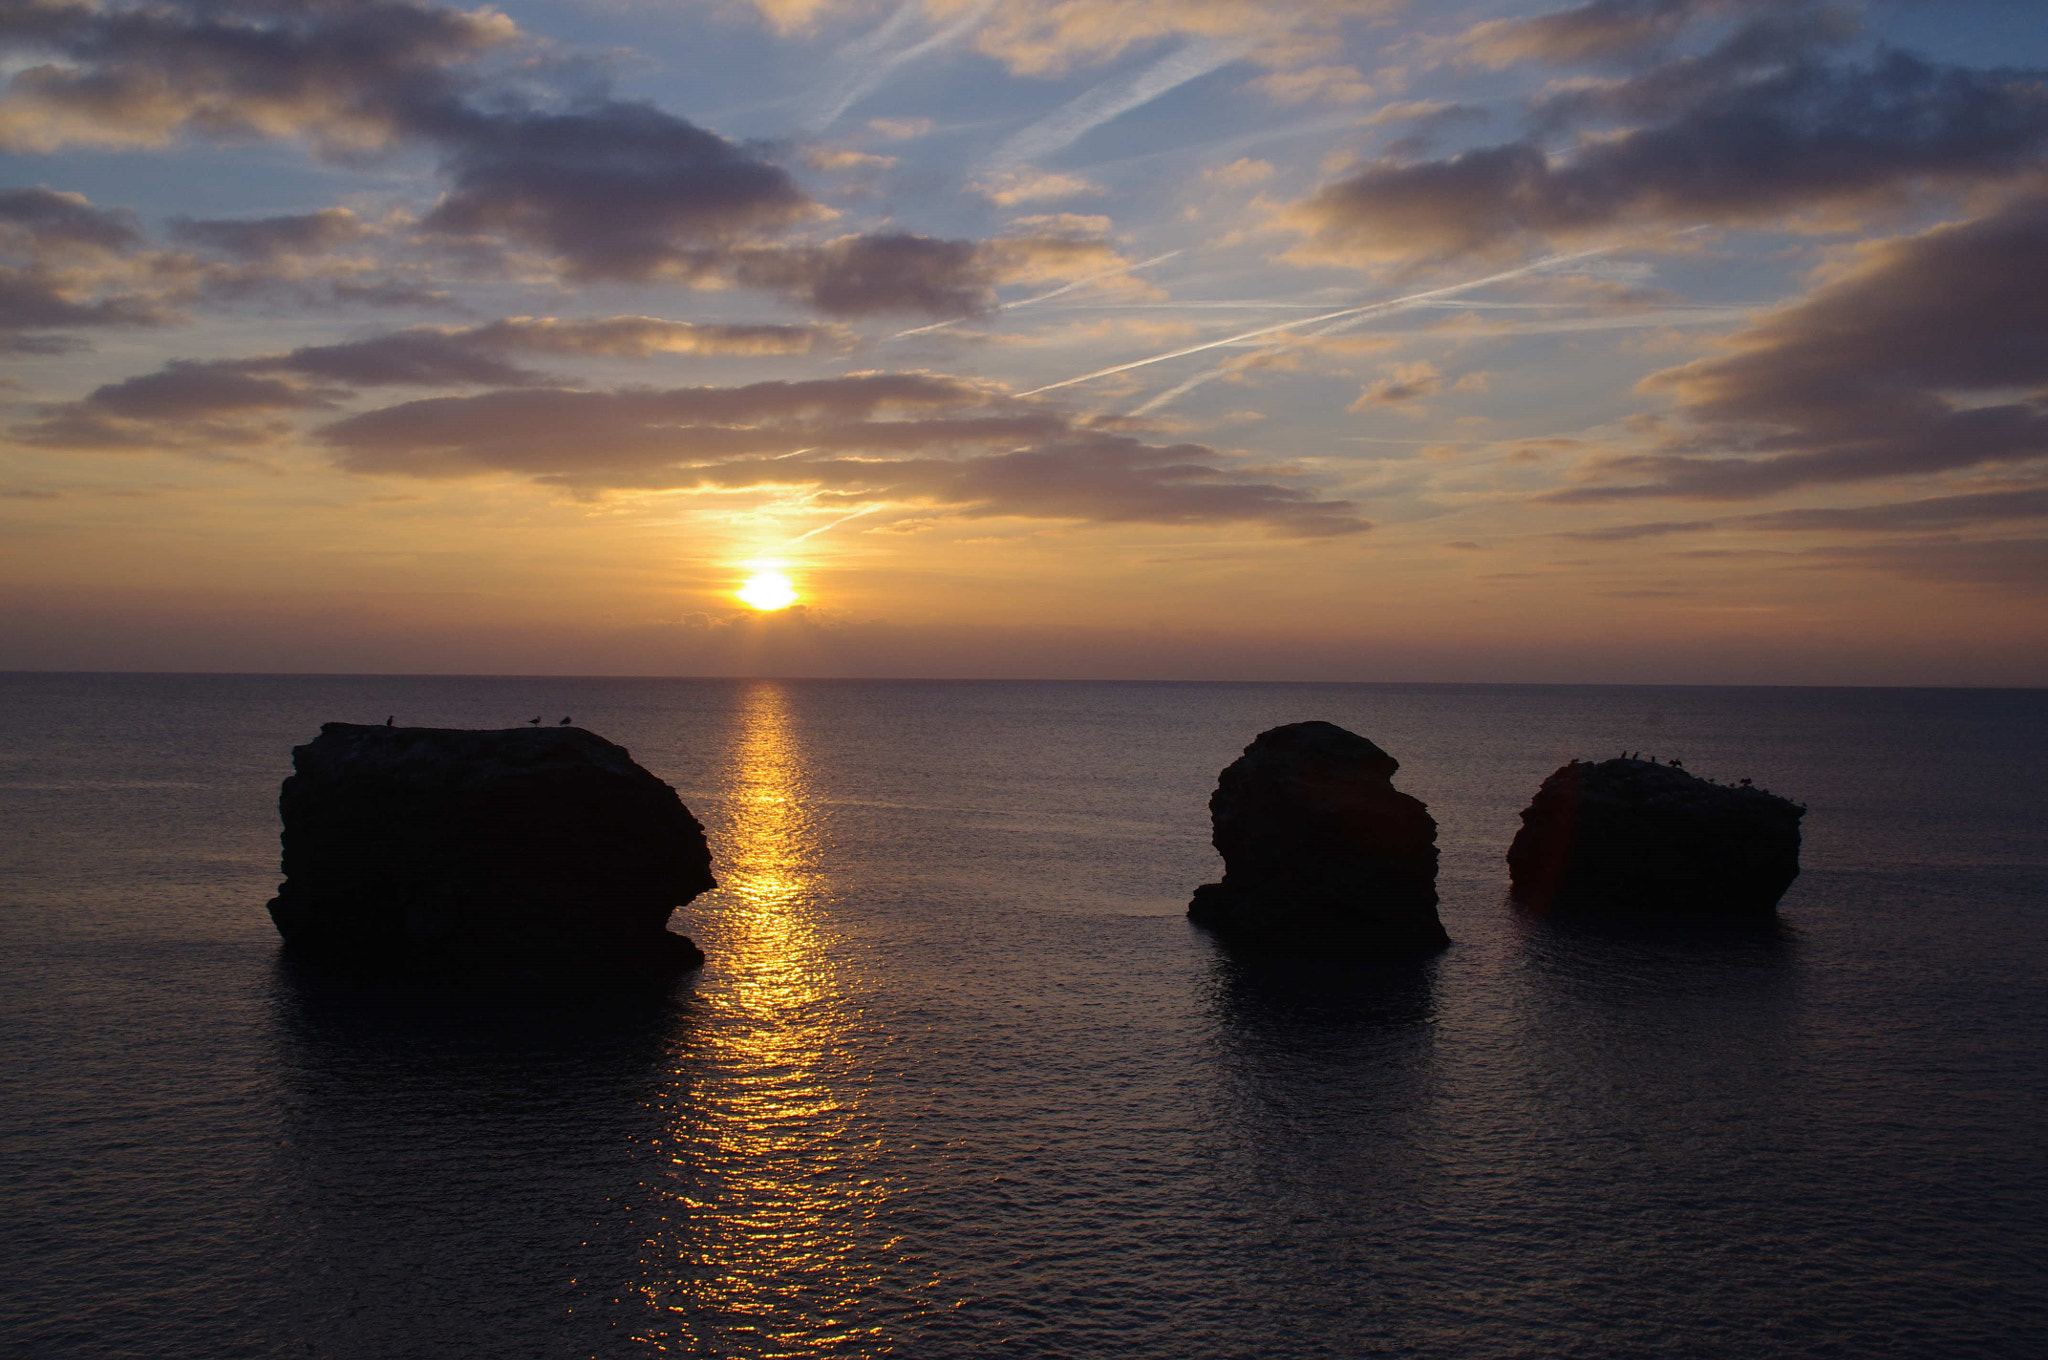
(959, 1078)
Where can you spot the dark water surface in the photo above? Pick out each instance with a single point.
(959, 1078)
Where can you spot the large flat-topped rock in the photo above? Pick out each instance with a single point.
(542, 849)
(1319, 849)
(1636, 838)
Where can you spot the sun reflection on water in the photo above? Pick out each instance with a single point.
(772, 1243)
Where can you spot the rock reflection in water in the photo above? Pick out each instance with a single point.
(448, 1155)
(1327, 1089)
(769, 1238)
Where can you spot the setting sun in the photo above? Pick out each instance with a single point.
(768, 589)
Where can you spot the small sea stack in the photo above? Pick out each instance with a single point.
(1320, 850)
(1635, 838)
(525, 850)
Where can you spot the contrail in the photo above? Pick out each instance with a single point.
(834, 524)
(865, 83)
(1343, 313)
(1091, 109)
(1043, 297)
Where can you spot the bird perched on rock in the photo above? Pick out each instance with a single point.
(563, 723)
(533, 722)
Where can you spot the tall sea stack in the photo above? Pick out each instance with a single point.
(1633, 838)
(526, 849)
(1319, 849)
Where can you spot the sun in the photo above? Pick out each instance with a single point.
(768, 589)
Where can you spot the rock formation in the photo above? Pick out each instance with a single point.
(1638, 838)
(1320, 849)
(527, 849)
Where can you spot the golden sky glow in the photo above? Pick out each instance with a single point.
(1213, 339)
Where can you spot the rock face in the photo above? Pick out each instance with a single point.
(1320, 849)
(527, 849)
(1634, 837)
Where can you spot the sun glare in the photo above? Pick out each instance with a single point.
(768, 589)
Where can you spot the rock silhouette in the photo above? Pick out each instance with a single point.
(1633, 837)
(525, 849)
(1319, 848)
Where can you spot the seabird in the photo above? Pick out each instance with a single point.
(387, 721)
(533, 722)
(563, 723)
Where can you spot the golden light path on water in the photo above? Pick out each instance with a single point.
(773, 1241)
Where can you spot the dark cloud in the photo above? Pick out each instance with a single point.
(422, 357)
(610, 189)
(1984, 507)
(32, 299)
(861, 275)
(2012, 565)
(1752, 132)
(1928, 355)
(318, 377)
(613, 190)
(902, 272)
(1622, 533)
(863, 439)
(352, 76)
(49, 219)
(185, 391)
(63, 265)
(268, 238)
(605, 189)
(610, 434)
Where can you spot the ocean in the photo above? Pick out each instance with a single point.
(960, 1079)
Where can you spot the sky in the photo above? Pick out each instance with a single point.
(1661, 341)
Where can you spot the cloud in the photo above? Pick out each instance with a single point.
(1601, 31)
(1925, 356)
(1405, 382)
(612, 190)
(1051, 37)
(1937, 512)
(268, 238)
(901, 272)
(641, 336)
(189, 400)
(1623, 533)
(65, 264)
(605, 189)
(831, 159)
(46, 219)
(2018, 565)
(902, 438)
(1026, 185)
(352, 77)
(862, 275)
(1331, 84)
(1744, 138)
